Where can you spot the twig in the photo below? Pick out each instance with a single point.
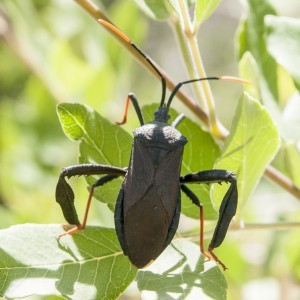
(268, 226)
(194, 236)
(283, 181)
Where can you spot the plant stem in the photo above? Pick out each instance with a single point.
(283, 181)
(194, 236)
(207, 100)
(187, 59)
(268, 226)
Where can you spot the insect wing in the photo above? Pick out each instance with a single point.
(151, 191)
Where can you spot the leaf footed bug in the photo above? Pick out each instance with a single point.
(149, 202)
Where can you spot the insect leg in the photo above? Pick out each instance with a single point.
(136, 107)
(197, 202)
(98, 183)
(64, 193)
(140, 52)
(228, 205)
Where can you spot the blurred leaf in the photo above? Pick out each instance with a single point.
(252, 38)
(181, 272)
(65, 64)
(232, 255)
(251, 145)
(249, 70)
(100, 142)
(155, 9)
(200, 153)
(87, 265)
(293, 256)
(291, 156)
(203, 9)
(291, 118)
(283, 35)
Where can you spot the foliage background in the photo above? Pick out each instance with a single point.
(56, 53)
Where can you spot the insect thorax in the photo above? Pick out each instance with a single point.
(159, 134)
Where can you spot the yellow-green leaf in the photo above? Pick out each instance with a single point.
(251, 145)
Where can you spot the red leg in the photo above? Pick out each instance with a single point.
(125, 112)
(202, 233)
(72, 230)
(216, 259)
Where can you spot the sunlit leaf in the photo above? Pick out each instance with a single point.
(251, 145)
(288, 120)
(249, 71)
(181, 272)
(87, 265)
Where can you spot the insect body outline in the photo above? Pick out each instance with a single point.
(149, 200)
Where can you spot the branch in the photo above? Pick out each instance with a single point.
(282, 181)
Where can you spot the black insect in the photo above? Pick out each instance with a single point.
(148, 205)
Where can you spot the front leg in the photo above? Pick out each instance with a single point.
(64, 193)
(228, 205)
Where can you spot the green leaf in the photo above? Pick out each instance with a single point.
(283, 35)
(251, 145)
(155, 9)
(288, 120)
(252, 38)
(181, 272)
(200, 153)
(96, 134)
(203, 9)
(100, 142)
(87, 265)
(248, 69)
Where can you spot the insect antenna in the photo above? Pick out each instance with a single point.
(180, 84)
(150, 62)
